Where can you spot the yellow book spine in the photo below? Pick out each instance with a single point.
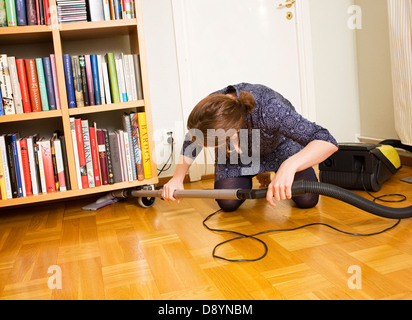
(144, 141)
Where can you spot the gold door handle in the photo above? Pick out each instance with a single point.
(287, 4)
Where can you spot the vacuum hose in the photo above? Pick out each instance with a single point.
(303, 187)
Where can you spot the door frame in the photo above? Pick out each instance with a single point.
(305, 67)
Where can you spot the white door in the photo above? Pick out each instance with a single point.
(223, 42)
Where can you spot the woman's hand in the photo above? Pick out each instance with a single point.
(281, 186)
(170, 187)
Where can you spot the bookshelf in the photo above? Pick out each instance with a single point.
(125, 35)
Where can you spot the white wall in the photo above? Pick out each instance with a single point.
(335, 68)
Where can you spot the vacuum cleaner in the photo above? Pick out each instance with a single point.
(370, 164)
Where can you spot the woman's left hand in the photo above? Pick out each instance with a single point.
(281, 186)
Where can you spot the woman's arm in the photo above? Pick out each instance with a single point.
(176, 182)
(314, 153)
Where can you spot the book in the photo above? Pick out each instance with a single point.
(5, 169)
(95, 10)
(42, 84)
(106, 10)
(128, 130)
(115, 157)
(31, 12)
(11, 166)
(88, 152)
(68, 76)
(82, 64)
(55, 81)
(101, 144)
(77, 80)
(127, 77)
(138, 74)
(46, 12)
(45, 150)
(108, 157)
(90, 84)
(65, 163)
(1, 104)
(21, 12)
(3, 190)
(114, 87)
(106, 83)
(26, 166)
(41, 19)
(35, 141)
(82, 156)
(132, 82)
(76, 153)
(14, 78)
(120, 79)
(144, 139)
(127, 157)
(24, 87)
(42, 174)
(60, 164)
(48, 75)
(136, 146)
(6, 87)
(33, 85)
(22, 176)
(100, 75)
(95, 156)
(33, 166)
(96, 80)
(3, 15)
(11, 13)
(53, 155)
(15, 154)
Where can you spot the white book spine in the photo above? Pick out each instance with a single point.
(119, 144)
(6, 171)
(15, 84)
(106, 82)
(88, 153)
(41, 171)
(5, 86)
(106, 9)
(128, 158)
(127, 78)
(129, 57)
(125, 173)
(59, 164)
(76, 153)
(120, 79)
(33, 170)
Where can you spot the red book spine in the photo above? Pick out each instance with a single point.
(47, 12)
(24, 87)
(48, 165)
(26, 166)
(82, 155)
(33, 83)
(102, 156)
(95, 156)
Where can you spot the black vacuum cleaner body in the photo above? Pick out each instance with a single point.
(360, 166)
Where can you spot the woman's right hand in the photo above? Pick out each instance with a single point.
(170, 187)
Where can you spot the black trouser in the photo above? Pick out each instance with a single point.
(305, 201)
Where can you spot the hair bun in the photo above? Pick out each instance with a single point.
(247, 100)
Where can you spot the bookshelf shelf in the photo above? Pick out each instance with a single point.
(46, 40)
(106, 107)
(30, 116)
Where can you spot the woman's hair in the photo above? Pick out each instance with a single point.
(221, 111)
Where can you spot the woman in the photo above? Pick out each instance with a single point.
(290, 145)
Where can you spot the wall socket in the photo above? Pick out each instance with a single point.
(168, 136)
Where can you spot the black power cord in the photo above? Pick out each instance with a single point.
(168, 165)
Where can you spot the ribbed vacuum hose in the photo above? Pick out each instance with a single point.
(303, 187)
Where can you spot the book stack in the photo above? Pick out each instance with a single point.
(31, 166)
(71, 11)
(106, 157)
(24, 13)
(96, 79)
(28, 85)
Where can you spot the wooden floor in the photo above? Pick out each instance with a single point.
(126, 252)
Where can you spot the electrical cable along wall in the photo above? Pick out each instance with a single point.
(400, 33)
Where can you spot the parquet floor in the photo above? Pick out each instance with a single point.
(164, 252)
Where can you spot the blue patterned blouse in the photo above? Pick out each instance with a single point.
(283, 131)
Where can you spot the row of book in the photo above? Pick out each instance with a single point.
(37, 12)
(28, 85)
(105, 157)
(30, 166)
(24, 13)
(97, 79)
